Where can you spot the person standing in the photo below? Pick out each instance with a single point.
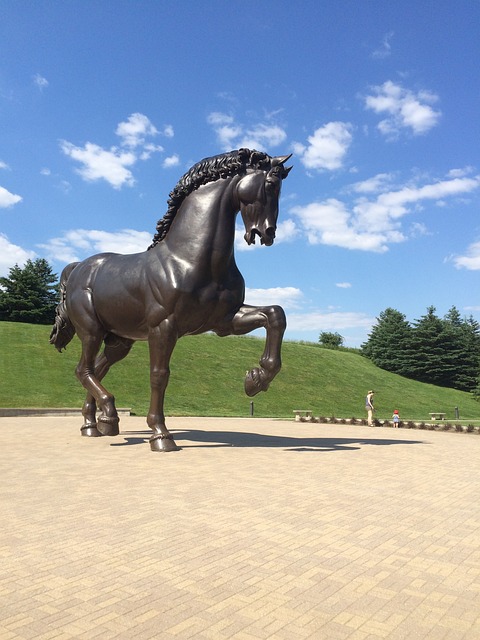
(369, 408)
(396, 418)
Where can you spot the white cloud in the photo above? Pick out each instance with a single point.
(331, 223)
(343, 285)
(218, 119)
(134, 131)
(78, 244)
(329, 321)
(45, 172)
(11, 254)
(287, 297)
(263, 136)
(404, 108)
(234, 135)
(327, 147)
(148, 149)
(371, 225)
(3, 165)
(418, 229)
(168, 131)
(287, 231)
(385, 49)
(8, 199)
(112, 165)
(461, 173)
(100, 164)
(373, 185)
(171, 161)
(225, 128)
(40, 81)
(471, 259)
(390, 206)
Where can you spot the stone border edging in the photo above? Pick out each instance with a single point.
(7, 412)
(442, 425)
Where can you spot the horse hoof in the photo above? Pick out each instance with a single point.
(254, 383)
(163, 443)
(108, 426)
(90, 430)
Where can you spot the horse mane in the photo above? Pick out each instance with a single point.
(208, 170)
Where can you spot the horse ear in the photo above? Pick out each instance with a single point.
(286, 171)
(280, 160)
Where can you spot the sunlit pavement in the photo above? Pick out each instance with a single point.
(256, 528)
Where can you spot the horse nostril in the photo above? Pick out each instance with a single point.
(268, 236)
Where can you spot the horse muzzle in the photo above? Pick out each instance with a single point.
(267, 237)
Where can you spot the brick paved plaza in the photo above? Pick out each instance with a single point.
(256, 529)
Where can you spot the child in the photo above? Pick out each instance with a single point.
(396, 418)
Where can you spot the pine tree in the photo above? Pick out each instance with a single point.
(467, 354)
(389, 343)
(29, 294)
(433, 349)
(442, 351)
(476, 389)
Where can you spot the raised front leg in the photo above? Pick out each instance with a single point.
(161, 341)
(248, 319)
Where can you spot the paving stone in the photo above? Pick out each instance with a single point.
(255, 529)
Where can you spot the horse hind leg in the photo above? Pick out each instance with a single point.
(116, 349)
(89, 412)
(97, 395)
(87, 375)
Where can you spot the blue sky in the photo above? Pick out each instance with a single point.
(104, 105)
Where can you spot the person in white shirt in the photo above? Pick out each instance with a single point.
(369, 407)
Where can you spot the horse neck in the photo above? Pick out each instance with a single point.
(205, 222)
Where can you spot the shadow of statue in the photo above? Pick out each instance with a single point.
(246, 439)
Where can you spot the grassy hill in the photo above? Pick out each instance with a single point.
(207, 379)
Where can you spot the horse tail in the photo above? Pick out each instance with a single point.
(63, 329)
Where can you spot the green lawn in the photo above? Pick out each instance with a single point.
(207, 379)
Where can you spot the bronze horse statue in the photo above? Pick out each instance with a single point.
(185, 283)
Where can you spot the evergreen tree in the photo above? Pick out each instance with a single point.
(389, 343)
(433, 350)
(467, 354)
(457, 355)
(442, 351)
(453, 317)
(29, 294)
(476, 390)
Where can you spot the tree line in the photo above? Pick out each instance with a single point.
(441, 351)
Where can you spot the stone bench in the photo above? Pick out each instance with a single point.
(307, 414)
(437, 416)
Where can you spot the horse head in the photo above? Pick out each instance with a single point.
(258, 192)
